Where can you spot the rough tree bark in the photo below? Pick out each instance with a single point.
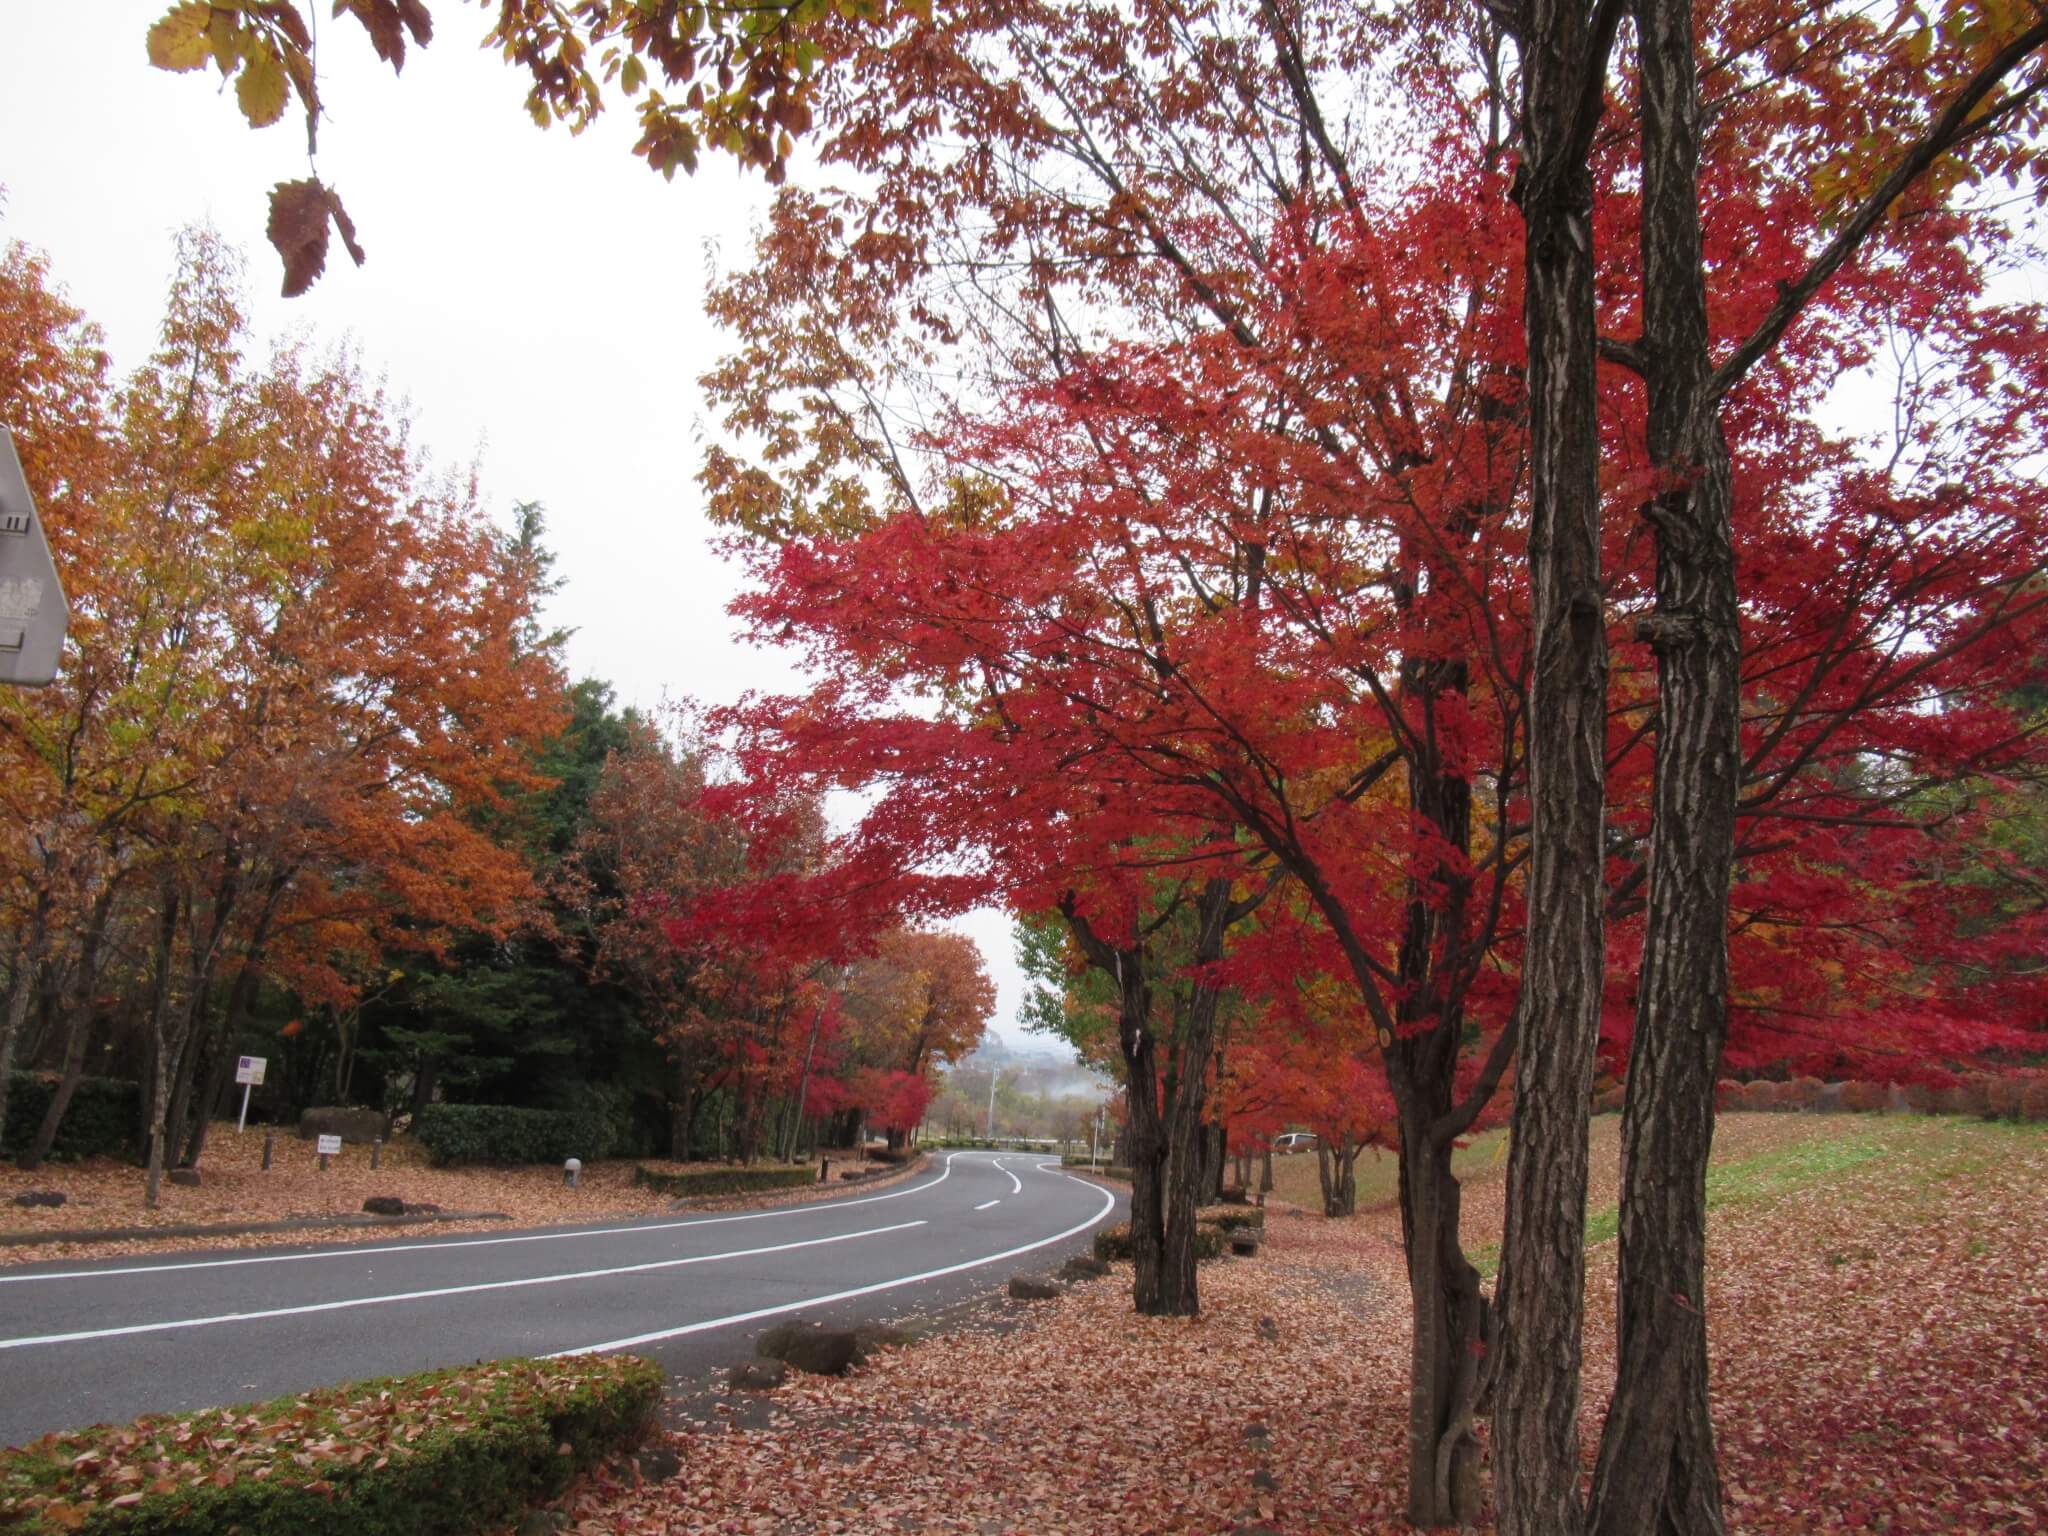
(1657, 1471)
(1541, 1293)
(1165, 1091)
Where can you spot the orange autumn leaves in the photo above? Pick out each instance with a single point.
(300, 664)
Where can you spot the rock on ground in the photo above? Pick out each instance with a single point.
(810, 1347)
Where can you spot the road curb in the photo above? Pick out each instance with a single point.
(232, 1228)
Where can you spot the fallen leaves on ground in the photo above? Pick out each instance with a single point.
(104, 1193)
(1881, 1364)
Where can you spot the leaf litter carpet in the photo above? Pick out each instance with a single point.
(1879, 1313)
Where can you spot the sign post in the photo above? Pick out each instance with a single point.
(330, 1146)
(249, 1073)
(33, 613)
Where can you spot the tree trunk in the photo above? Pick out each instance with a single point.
(1167, 1136)
(160, 1047)
(78, 1032)
(1338, 1173)
(187, 1061)
(1658, 1471)
(1541, 1291)
(1148, 1146)
(28, 961)
(219, 1068)
(1266, 1172)
(1450, 1316)
(682, 1119)
(424, 1073)
(219, 1056)
(1214, 1142)
(77, 1028)
(803, 1083)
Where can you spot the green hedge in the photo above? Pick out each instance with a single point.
(101, 1120)
(724, 1181)
(1105, 1171)
(1113, 1244)
(440, 1454)
(631, 1124)
(503, 1135)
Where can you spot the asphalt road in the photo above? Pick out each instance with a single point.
(108, 1341)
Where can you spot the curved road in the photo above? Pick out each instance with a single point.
(80, 1344)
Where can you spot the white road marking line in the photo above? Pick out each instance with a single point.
(365, 1251)
(1108, 1204)
(1016, 1184)
(987, 1203)
(449, 1290)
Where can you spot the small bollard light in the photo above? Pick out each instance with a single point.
(572, 1172)
(269, 1142)
(376, 1150)
(823, 1164)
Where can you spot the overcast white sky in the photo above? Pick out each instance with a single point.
(537, 298)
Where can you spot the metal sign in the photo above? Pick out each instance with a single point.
(33, 613)
(329, 1145)
(249, 1069)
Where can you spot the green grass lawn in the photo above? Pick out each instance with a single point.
(1758, 1158)
(1909, 1161)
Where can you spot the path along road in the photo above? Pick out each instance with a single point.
(107, 1341)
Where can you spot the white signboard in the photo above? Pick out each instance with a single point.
(249, 1069)
(33, 613)
(329, 1145)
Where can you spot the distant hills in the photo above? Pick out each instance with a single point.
(1051, 1070)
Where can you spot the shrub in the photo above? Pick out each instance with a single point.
(100, 1122)
(1609, 1100)
(1863, 1097)
(724, 1181)
(502, 1135)
(1804, 1093)
(2002, 1096)
(1728, 1095)
(1113, 1244)
(2034, 1100)
(625, 1123)
(439, 1454)
(1760, 1096)
(1229, 1218)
